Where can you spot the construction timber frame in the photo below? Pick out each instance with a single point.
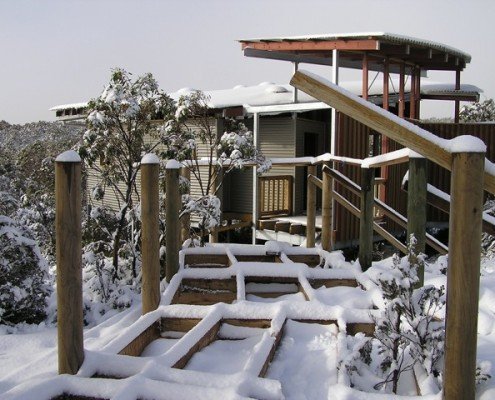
(469, 178)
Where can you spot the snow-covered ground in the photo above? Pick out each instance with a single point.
(305, 362)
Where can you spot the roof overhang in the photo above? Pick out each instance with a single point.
(379, 46)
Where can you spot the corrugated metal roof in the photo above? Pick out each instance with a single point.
(383, 36)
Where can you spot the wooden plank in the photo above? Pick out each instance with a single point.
(368, 328)
(217, 260)
(282, 226)
(309, 45)
(257, 258)
(311, 260)
(209, 337)
(392, 126)
(150, 236)
(330, 283)
(173, 206)
(270, 279)
(250, 323)
(267, 224)
(326, 213)
(315, 181)
(69, 270)
(178, 324)
(271, 354)
(138, 344)
(366, 219)
(296, 229)
(463, 276)
(204, 298)
(211, 284)
(310, 208)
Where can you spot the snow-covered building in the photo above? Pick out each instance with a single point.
(292, 124)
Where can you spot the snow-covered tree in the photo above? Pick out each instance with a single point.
(121, 128)
(224, 152)
(478, 112)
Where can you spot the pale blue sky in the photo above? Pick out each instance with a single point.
(57, 52)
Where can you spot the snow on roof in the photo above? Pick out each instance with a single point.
(272, 94)
(65, 106)
(385, 36)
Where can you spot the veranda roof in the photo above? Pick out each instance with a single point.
(317, 49)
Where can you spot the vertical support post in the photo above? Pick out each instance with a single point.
(386, 77)
(416, 205)
(457, 102)
(327, 212)
(402, 103)
(296, 91)
(150, 233)
(364, 89)
(463, 275)
(418, 92)
(173, 205)
(366, 221)
(256, 195)
(185, 221)
(335, 80)
(69, 262)
(311, 209)
(412, 96)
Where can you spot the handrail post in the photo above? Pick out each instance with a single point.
(173, 206)
(463, 275)
(150, 237)
(366, 220)
(311, 209)
(416, 206)
(326, 212)
(185, 220)
(69, 262)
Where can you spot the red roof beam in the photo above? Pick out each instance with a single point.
(365, 44)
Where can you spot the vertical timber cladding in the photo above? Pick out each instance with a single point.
(276, 140)
(439, 176)
(352, 141)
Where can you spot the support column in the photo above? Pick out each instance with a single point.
(364, 89)
(463, 275)
(416, 205)
(69, 262)
(311, 209)
(173, 206)
(150, 233)
(366, 220)
(327, 212)
(185, 221)
(402, 103)
(335, 80)
(386, 76)
(256, 209)
(412, 96)
(457, 102)
(296, 91)
(418, 93)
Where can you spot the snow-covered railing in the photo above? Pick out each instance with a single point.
(464, 156)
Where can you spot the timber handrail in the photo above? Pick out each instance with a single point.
(441, 200)
(384, 208)
(409, 135)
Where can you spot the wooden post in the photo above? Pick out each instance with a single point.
(366, 221)
(69, 262)
(364, 89)
(326, 212)
(402, 103)
(457, 103)
(185, 221)
(150, 233)
(416, 206)
(412, 95)
(173, 206)
(463, 275)
(311, 209)
(386, 77)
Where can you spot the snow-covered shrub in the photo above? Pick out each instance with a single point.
(408, 330)
(24, 277)
(478, 112)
